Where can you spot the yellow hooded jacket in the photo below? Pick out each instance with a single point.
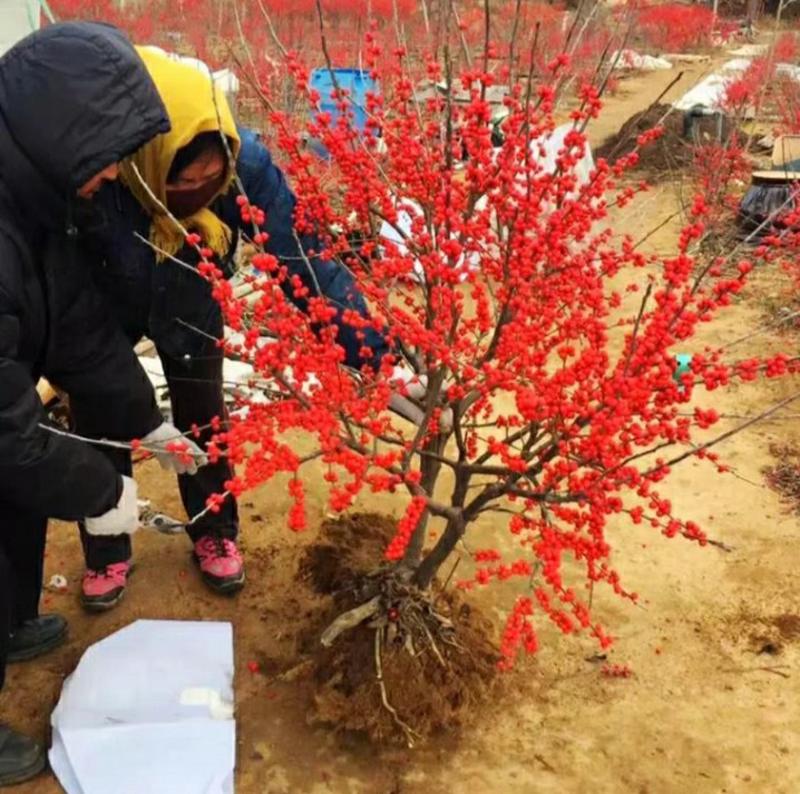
(195, 105)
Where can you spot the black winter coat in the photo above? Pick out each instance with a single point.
(74, 98)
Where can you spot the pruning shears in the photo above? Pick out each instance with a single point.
(160, 522)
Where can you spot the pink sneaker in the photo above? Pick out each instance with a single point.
(104, 588)
(221, 564)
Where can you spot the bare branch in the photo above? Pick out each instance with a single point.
(743, 426)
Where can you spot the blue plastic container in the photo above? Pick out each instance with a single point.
(356, 82)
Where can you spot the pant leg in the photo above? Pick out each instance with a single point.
(196, 394)
(102, 550)
(22, 542)
(98, 418)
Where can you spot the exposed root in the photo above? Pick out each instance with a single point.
(349, 620)
(402, 674)
(409, 732)
(403, 609)
(425, 678)
(434, 646)
(396, 663)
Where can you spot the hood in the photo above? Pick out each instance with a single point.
(196, 104)
(74, 98)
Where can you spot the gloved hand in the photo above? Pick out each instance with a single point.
(159, 443)
(411, 391)
(120, 520)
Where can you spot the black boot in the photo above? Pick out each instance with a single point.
(20, 757)
(37, 636)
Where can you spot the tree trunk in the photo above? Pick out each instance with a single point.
(430, 472)
(430, 565)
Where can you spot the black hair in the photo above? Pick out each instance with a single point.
(202, 144)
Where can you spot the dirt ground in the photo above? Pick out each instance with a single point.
(712, 706)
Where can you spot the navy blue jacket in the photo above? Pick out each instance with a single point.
(173, 306)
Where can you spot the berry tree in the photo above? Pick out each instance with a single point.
(532, 333)
(505, 285)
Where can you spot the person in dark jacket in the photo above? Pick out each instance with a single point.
(74, 100)
(153, 296)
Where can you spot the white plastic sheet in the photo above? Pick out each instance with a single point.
(750, 50)
(710, 91)
(148, 710)
(631, 60)
(407, 211)
(544, 152)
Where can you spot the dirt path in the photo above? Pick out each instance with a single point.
(705, 712)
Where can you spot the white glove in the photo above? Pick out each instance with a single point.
(158, 441)
(120, 520)
(414, 389)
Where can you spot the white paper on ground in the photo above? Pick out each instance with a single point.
(149, 709)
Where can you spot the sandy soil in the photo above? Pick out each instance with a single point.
(705, 710)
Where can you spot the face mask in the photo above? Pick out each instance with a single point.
(183, 203)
